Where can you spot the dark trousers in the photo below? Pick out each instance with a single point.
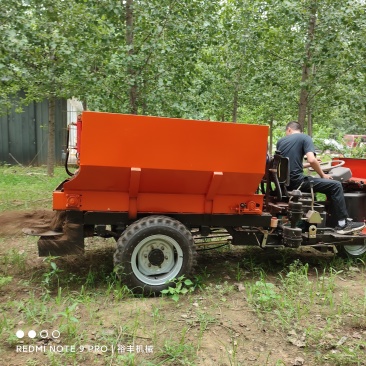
(331, 188)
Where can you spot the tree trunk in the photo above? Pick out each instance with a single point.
(304, 93)
(235, 103)
(270, 136)
(310, 123)
(51, 137)
(130, 46)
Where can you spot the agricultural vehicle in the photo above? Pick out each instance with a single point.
(162, 186)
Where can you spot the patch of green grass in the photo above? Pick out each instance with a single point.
(69, 323)
(263, 295)
(314, 310)
(116, 288)
(5, 324)
(34, 310)
(15, 259)
(177, 352)
(4, 280)
(348, 355)
(51, 275)
(28, 187)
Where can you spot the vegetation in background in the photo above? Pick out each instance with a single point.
(256, 61)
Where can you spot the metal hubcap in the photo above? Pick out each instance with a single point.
(157, 259)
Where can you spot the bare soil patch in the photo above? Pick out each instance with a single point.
(12, 222)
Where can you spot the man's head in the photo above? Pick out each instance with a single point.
(293, 127)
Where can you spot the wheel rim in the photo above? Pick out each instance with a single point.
(355, 250)
(157, 259)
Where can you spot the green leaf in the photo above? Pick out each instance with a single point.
(73, 319)
(188, 282)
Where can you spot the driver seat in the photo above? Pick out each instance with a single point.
(278, 173)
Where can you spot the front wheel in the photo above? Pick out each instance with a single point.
(352, 251)
(153, 251)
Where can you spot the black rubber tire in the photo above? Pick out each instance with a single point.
(146, 243)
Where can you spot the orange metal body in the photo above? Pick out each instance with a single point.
(358, 168)
(140, 164)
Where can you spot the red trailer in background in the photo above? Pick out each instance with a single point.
(354, 140)
(355, 189)
(161, 185)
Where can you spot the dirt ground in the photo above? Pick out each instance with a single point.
(12, 222)
(214, 326)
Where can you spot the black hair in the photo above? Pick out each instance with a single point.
(294, 125)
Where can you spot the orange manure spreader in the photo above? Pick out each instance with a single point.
(163, 186)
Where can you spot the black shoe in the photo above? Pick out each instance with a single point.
(350, 227)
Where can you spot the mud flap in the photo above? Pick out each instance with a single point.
(70, 242)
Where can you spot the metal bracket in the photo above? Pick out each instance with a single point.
(313, 217)
(133, 192)
(265, 238)
(312, 231)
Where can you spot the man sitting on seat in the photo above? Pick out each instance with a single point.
(295, 145)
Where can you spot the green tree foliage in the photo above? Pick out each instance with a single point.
(155, 55)
(256, 61)
(325, 39)
(44, 49)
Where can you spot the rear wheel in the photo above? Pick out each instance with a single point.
(153, 251)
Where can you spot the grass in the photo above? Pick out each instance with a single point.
(292, 302)
(246, 307)
(27, 187)
(287, 302)
(14, 258)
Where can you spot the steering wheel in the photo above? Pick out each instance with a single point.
(329, 165)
